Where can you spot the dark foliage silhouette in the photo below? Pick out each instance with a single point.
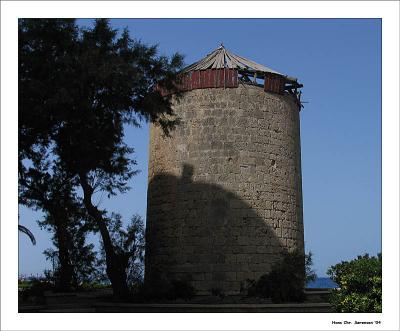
(77, 90)
(47, 187)
(129, 243)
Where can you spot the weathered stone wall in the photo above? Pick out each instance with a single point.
(224, 196)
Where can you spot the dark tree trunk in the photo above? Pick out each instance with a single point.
(66, 271)
(115, 264)
(64, 281)
(60, 222)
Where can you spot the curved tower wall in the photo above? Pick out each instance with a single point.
(224, 196)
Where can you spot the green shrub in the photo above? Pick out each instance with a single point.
(360, 285)
(286, 281)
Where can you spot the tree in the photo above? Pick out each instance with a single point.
(42, 49)
(360, 285)
(99, 83)
(44, 186)
(74, 259)
(84, 261)
(129, 242)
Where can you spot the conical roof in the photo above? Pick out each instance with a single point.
(222, 58)
(207, 73)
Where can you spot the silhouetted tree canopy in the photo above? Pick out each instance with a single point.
(47, 187)
(77, 89)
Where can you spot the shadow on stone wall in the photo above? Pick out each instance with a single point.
(200, 231)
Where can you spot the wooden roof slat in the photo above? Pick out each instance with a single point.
(221, 58)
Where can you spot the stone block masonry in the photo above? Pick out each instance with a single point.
(224, 196)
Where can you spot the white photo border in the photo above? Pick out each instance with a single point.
(388, 11)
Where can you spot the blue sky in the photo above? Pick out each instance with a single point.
(339, 63)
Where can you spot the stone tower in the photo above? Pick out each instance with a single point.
(225, 196)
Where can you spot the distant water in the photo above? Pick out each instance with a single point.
(322, 282)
